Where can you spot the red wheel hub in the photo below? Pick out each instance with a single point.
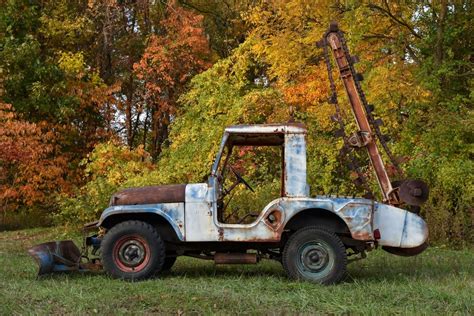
(131, 253)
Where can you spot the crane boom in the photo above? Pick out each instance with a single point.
(412, 192)
(365, 136)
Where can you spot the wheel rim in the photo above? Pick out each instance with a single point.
(316, 259)
(131, 253)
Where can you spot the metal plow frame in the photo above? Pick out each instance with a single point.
(57, 256)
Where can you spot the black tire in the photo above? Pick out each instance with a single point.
(316, 255)
(132, 250)
(169, 262)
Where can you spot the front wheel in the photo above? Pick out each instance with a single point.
(133, 250)
(316, 255)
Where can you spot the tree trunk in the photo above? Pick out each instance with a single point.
(439, 50)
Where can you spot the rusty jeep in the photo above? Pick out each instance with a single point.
(144, 230)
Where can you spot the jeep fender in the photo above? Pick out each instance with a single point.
(173, 213)
(356, 213)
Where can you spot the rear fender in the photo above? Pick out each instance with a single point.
(356, 213)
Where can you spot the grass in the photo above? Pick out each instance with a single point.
(440, 281)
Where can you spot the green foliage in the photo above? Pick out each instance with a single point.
(108, 168)
(219, 97)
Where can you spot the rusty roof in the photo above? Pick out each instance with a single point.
(283, 128)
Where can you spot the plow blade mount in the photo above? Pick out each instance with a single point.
(56, 256)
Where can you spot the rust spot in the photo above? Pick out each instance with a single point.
(348, 220)
(221, 233)
(273, 219)
(150, 195)
(235, 258)
(361, 235)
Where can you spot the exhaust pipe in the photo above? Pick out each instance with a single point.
(235, 258)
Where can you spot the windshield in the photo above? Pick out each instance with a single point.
(248, 177)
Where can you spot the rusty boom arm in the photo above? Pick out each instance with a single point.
(412, 192)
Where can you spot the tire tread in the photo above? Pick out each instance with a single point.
(143, 228)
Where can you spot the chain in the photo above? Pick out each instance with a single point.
(346, 152)
(368, 110)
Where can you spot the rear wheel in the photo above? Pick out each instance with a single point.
(316, 255)
(132, 250)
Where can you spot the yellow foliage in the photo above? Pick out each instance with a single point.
(72, 64)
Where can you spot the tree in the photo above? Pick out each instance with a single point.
(170, 60)
(31, 169)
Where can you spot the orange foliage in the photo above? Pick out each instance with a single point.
(307, 90)
(173, 57)
(31, 170)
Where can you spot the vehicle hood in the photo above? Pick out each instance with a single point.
(174, 193)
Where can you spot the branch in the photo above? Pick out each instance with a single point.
(412, 53)
(373, 35)
(388, 13)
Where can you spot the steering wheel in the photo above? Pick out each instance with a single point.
(240, 179)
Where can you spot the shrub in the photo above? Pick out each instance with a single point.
(108, 168)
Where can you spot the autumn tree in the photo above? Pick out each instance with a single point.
(62, 108)
(223, 21)
(31, 169)
(172, 57)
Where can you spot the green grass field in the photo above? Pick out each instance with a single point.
(440, 281)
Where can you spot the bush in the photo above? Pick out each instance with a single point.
(108, 168)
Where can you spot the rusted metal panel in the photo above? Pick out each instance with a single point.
(150, 195)
(294, 172)
(200, 225)
(358, 217)
(235, 258)
(268, 227)
(289, 128)
(356, 213)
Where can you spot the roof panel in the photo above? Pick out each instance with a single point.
(284, 128)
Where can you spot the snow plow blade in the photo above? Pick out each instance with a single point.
(56, 256)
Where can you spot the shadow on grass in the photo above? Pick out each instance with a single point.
(381, 268)
(428, 266)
